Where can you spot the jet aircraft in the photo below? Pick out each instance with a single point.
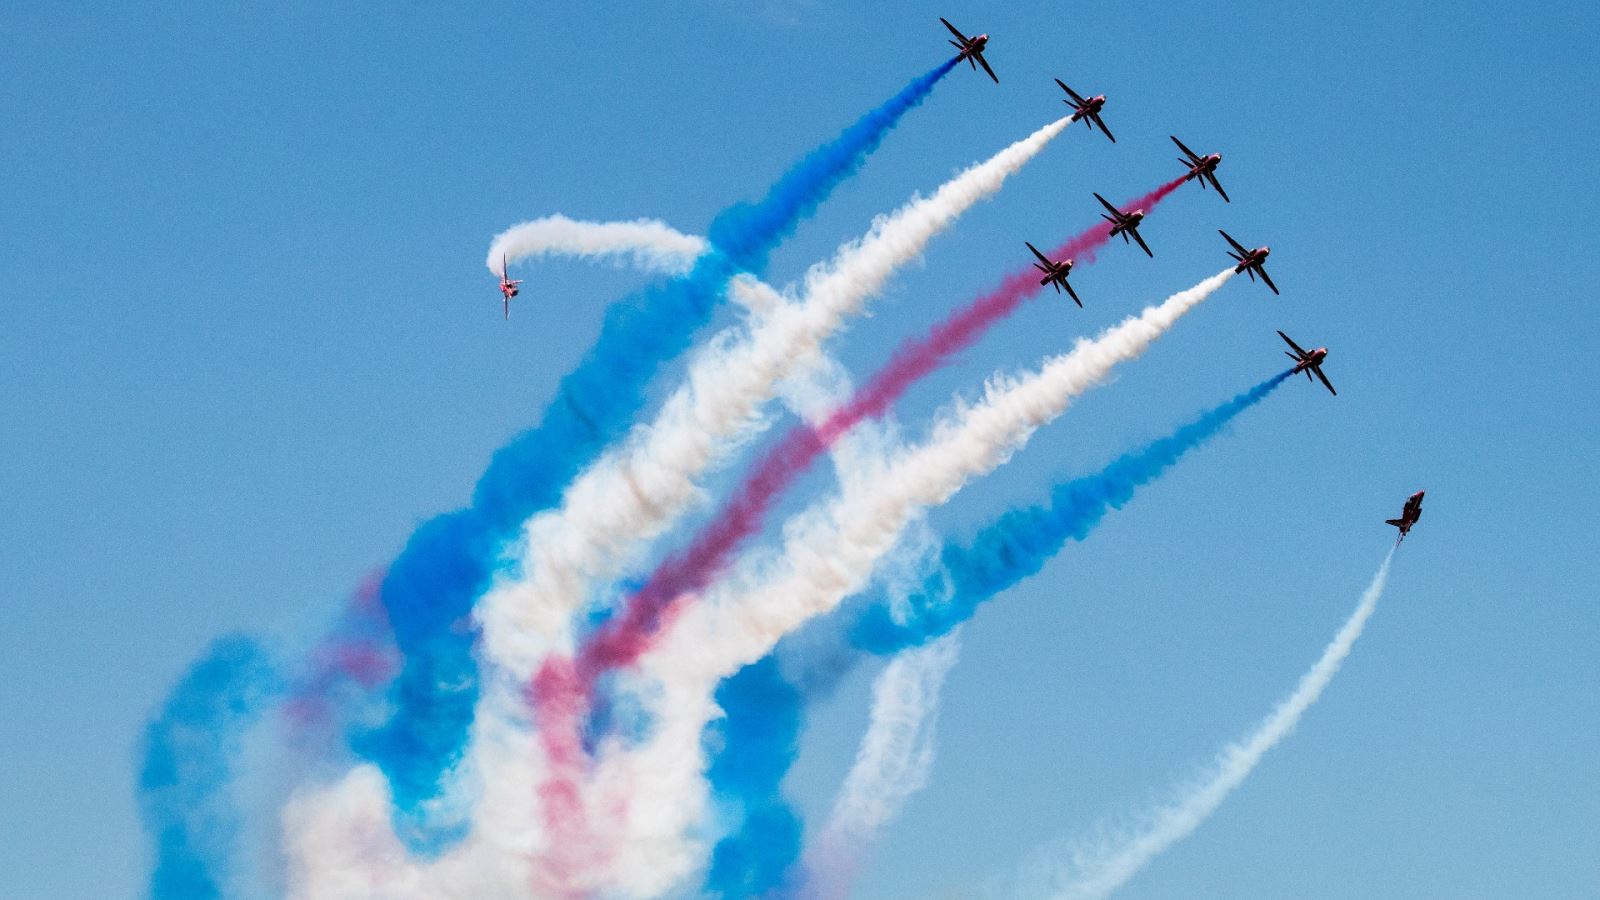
(1408, 516)
(1125, 224)
(1309, 362)
(971, 49)
(1203, 168)
(1087, 110)
(1251, 262)
(508, 288)
(1055, 273)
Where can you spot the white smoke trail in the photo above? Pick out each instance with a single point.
(892, 763)
(647, 243)
(636, 490)
(828, 553)
(1098, 871)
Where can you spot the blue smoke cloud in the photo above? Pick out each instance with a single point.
(754, 745)
(447, 563)
(1009, 549)
(187, 768)
(1017, 544)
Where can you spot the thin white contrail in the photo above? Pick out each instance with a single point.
(1097, 871)
(827, 554)
(646, 243)
(893, 762)
(638, 488)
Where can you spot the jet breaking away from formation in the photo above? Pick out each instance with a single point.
(1408, 516)
(1125, 224)
(1203, 168)
(1055, 273)
(971, 49)
(1309, 362)
(508, 288)
(1087, 110)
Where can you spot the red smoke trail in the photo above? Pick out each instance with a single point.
(562, 687)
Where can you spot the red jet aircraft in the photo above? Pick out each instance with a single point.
(508, 288)
(1202, 167)
(971, 49)
(1309, 362)
(1408, 516)
(1055, 273)
(1251, 262)
(1087, 110)
(1125, 224)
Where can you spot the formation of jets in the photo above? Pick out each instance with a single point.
(1202, 169)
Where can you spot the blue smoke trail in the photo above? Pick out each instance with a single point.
(187, 768)
(755, 741)
(1011, 548)
(446, 565)
(1017, 544)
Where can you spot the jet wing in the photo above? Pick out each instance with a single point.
(985, 63)
(1291, 343)
(1235, 245)
(1186, 151)
(1072, 293)
(1070, 92)
(1096, 118)
(1218, 185)
(953, 29)
(1042, 258)
(1263, 271)
(1114, 211)
(1135, 233)
(1325, 382)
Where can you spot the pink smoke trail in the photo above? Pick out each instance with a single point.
(561, 689)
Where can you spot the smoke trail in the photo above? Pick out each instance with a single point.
(1098, 872)
(893, 762)
(447, 562)
(1018, 543)
(646, 243)
(635, 491)
(188, 768)
(830, 551)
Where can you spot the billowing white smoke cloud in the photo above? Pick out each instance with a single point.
(1096, 871)
(892, 763)
(828, 553)
(645, 243)
(638, 489)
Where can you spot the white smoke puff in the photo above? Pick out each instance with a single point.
(645, 243)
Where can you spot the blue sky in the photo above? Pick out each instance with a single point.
(247, 342)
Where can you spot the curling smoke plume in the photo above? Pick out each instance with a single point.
(446, 565)
(637, 490)
(646, 243)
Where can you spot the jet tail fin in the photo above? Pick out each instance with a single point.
(1395, 522)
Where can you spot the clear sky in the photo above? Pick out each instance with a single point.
(247, 342)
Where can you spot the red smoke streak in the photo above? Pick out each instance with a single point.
(561, 689)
